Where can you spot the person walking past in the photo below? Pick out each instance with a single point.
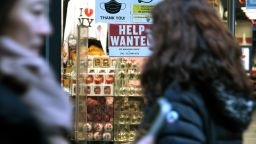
(196, 65)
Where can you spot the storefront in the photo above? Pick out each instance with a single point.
(103, 51)
(98, 54)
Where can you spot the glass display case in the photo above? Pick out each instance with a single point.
(105, 92)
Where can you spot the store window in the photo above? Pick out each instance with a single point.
(102, 58)
(103, 52)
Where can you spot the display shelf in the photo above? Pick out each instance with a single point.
(113, 96)
(104, 91)
(105, 96)
(100, 141)
(96, 142)
(130, 124)
(131, 96)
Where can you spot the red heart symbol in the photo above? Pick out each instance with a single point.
(88, 12)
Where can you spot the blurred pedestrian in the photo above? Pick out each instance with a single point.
(33, 107)
(196, 64)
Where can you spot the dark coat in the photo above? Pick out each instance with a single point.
(221, 116)
(17, 124)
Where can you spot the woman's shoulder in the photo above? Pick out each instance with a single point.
(17, 120)
(10, 103)
(185, 96)
(229, 107)
(190, 109)
(14, 114)
(12, 108)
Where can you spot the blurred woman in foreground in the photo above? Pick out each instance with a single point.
(33, 107)
(196, 64)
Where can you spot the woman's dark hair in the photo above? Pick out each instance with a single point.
(5, 9)
(192, 47)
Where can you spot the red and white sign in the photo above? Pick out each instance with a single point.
(128, 40)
